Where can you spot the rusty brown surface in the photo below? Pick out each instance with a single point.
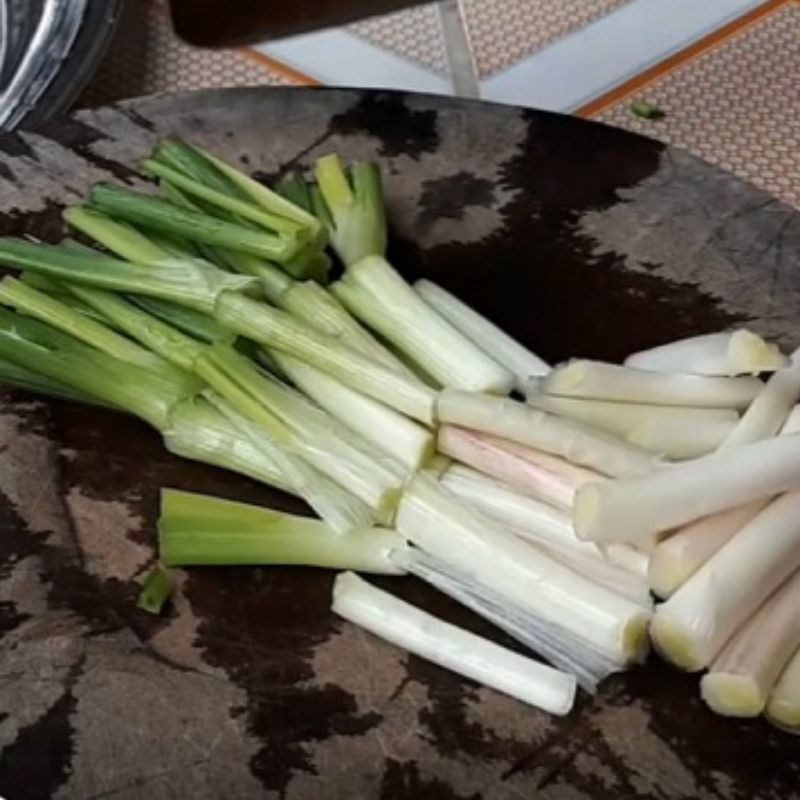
(580, 239)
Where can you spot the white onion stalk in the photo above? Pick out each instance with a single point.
(518, 422)
(681, 440)
(693, 625)
(529, 517)
(631, 509)
(679, 556)
(600, 381)
(783, 708)
(551, 529)
(558, 646)
(743, 674)
(770, 409)
(622, 419)
(631, 558)
(439, 523)
(731, 353)
(537, 475)
(597, 569)
(307, 431)
(451, 647)
(318, 307)
(439, 465)
(792, 424)
(398, 436)
(375, 293)
(498, 344)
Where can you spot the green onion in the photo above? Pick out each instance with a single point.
(190, 172)
(209, 253)
(375, 293)
(315, 436)
(519, 422)
(294, 188)
(631, 509)
(164, 340)
(198, 530)
(183, 157)
(18, 377)
(265, 197)
(596, 380)
(274, 281)
(67, 361)
(199, 432)
(61, 293)
(156, 590)
(357, 213)
(771, 407)
(160, 215)
(485, 334)
(341, 510)
(309, 263)
(319, 307)
(279, 331)
(55, 313)
(193, 323)
(783, 708)
(240, 209)
(122, 240)
(545, 477)
(743, 675)
(727, 354)
(410, 443)
(36, 304)
(192, 283)
(686, 549)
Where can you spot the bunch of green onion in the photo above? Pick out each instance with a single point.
(204, 308)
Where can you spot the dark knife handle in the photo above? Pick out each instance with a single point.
(226, 23)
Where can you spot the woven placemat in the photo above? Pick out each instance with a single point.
(736, 105)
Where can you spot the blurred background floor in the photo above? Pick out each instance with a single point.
(731, 98)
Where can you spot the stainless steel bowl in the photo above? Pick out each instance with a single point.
(48, 50)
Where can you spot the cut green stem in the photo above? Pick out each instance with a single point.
(156, 590)
(67, 361)
(157, 214)
(354, 213)
(198, 530)
(191, 283)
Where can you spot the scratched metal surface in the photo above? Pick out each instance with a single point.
(580, 239)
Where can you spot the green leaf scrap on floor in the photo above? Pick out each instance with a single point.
(647, 110)
(156, 590)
